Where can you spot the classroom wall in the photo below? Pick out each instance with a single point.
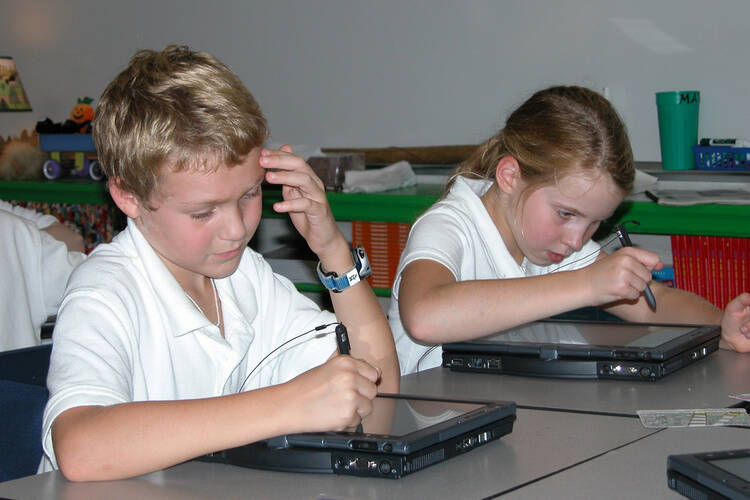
(338, 73)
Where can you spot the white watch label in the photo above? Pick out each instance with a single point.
(353, 277)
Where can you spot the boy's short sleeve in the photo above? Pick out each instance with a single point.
(92, 359)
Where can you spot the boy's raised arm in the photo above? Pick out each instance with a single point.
(357, 307)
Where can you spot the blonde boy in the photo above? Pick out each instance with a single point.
(160, 331)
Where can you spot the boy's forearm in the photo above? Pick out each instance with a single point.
(359, 310)
(369, 334)
(130, 439)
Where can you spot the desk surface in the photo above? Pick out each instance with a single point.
(704, 384)
(542, 443)
(580, 440)
(638, 470)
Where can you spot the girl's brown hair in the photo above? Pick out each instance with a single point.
(558, 130)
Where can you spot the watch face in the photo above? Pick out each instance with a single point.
(362, 263)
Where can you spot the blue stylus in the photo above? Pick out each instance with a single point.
(625, 241)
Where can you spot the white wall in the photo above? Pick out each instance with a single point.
(373, 73)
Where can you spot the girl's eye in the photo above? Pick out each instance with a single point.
(565, 214)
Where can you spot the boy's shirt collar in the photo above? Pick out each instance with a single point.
(180, 311)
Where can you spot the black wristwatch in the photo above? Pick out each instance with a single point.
(335, 283)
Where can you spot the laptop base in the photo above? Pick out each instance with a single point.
(358, 463)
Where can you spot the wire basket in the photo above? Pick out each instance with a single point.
(721, 158)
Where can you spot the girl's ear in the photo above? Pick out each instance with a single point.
(125, 200)
(507, 174)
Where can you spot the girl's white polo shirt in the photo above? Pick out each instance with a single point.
(459, 233)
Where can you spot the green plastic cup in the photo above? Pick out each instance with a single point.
(678, 127)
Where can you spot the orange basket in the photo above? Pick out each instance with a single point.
(384, 242)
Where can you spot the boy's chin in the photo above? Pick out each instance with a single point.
(225, 271)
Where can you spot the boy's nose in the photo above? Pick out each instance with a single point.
(234, 225)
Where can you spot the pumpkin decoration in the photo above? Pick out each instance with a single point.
(82, 114)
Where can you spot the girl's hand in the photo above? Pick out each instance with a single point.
(735, 323)
(622, 275)
(304, 197)
(334, 396)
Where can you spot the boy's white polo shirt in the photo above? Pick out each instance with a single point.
(126, 331)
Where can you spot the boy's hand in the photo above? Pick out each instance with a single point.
(622, 275)
(735, 323)
(304, 197)
(335, 395)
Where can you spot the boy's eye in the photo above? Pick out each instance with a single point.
(252, 193)
(201, 215)
(565, 214)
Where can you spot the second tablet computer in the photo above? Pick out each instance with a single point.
(585, 349)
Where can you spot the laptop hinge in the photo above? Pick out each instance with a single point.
(548, 354)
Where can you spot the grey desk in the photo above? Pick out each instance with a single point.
(638, 470)
(570, 438)
(542, 443)
(704, 384)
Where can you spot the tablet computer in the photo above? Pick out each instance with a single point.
(716, 474)
(403, 434)
(586, 349)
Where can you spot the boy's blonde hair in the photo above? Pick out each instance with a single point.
(557, 131)
(177, 107)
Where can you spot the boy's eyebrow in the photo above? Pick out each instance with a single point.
(210, 202)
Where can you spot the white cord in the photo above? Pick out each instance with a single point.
(216, 305)
(601, 247)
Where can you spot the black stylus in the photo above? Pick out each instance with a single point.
(625, 241)
(342, 339)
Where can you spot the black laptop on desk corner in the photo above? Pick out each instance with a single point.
(404, 434)
(717, 474)
(585, 349)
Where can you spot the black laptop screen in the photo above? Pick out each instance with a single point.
(399, 417)
(615, 334)
(739, 466)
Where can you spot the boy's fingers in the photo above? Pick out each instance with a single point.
(301, 204)
(366, 392)
(367, 370)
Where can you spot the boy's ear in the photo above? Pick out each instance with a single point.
(507, 173)
(125, 200)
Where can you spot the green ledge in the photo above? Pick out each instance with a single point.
(406, 204)
(317, 287)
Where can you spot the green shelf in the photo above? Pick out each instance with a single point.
(700, 220)
(398, 205)
(406, 204)
(317, 287)
(60, 191)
